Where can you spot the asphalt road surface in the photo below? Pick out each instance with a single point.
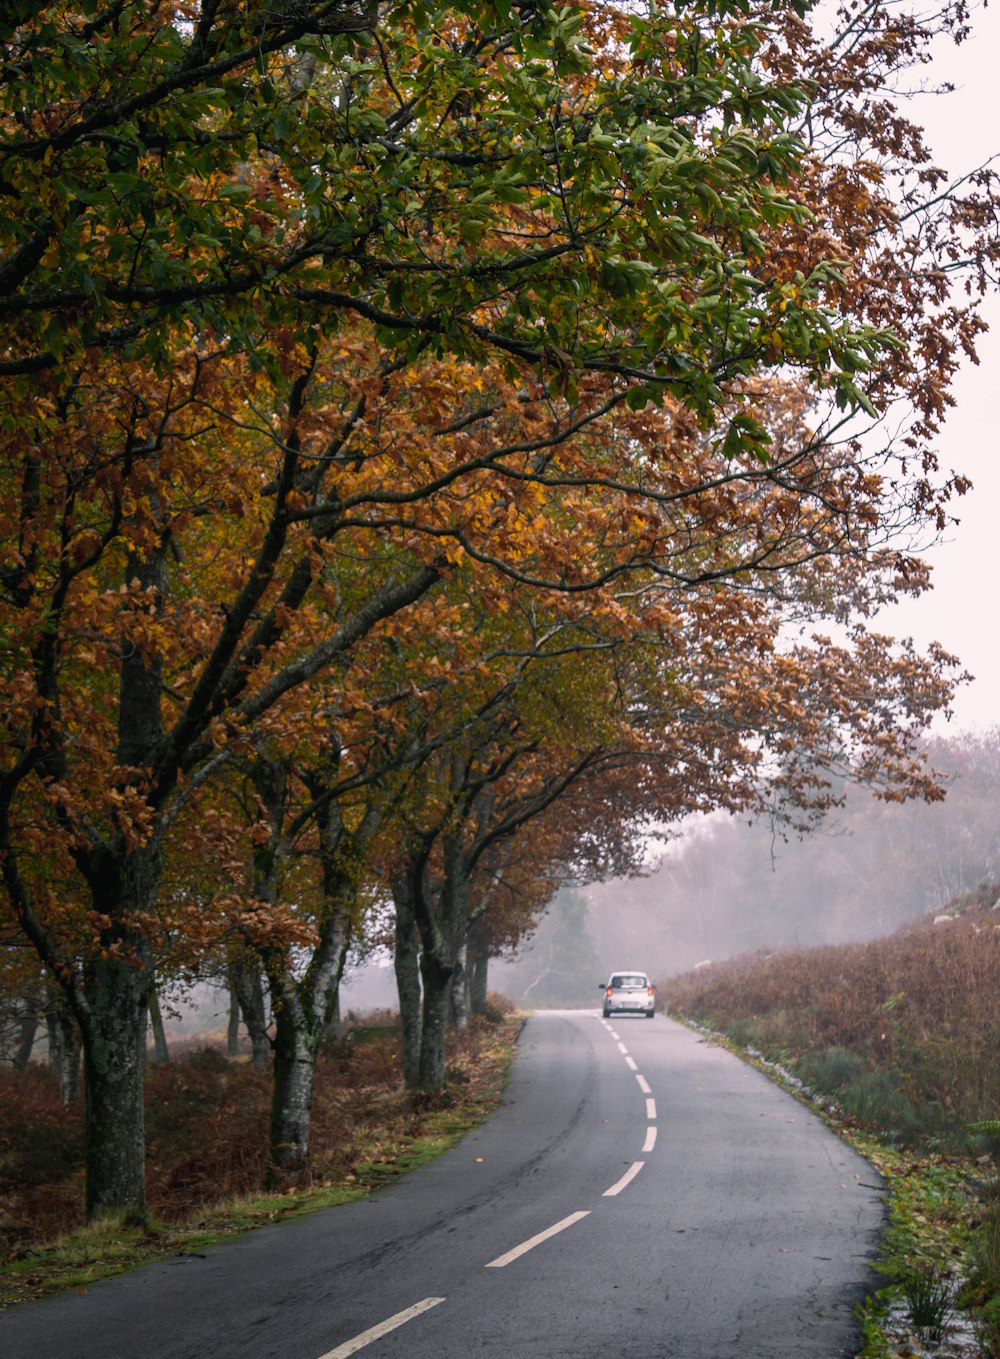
(640, 1192)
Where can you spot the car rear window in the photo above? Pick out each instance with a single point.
(627, 979)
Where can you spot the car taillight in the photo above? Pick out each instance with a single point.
(610, 991)
(649, 990)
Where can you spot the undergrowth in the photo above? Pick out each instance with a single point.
(206, 1122)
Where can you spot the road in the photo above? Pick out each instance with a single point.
(640, 1191)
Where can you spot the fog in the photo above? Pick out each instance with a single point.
(726, 887)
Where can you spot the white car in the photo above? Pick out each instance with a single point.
(628, 993)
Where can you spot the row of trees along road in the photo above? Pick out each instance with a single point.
(421, 425)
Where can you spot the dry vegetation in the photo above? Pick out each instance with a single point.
(207, 1122)
(904, 1031)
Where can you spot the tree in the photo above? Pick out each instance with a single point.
(558, 963)
(434, 886)
(245, 311)
(304, 976)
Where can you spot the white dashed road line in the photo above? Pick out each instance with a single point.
(383, 1328)
(359, 1342)
(534, 1241)
(626, 1179)
(650, 1141)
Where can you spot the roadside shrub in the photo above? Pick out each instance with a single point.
(829, 1071)
(498, 1008)
(876, 1101)
(984, 1257)
(987, 1134)
(981, 1294)
(41, 1156)
(928, 1302)
(987, 1332)
(206, 1129)
(38, 1137)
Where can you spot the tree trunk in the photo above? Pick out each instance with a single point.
(233, 1026)
(479, 971)
(305, 1006)
(441, 919)
(458, 1007)
(27, 1028)
(245, 979)
(407, 967)
(115, 991)
(436, 977)
(69, 1061)
(161, 1053)
(64, 1043)
(303, 1011)
(291, 1104)
(123, 875)
(334, 1027)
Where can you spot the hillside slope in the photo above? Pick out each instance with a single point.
(904, 1031)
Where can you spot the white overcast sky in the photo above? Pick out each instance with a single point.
(962, 611)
